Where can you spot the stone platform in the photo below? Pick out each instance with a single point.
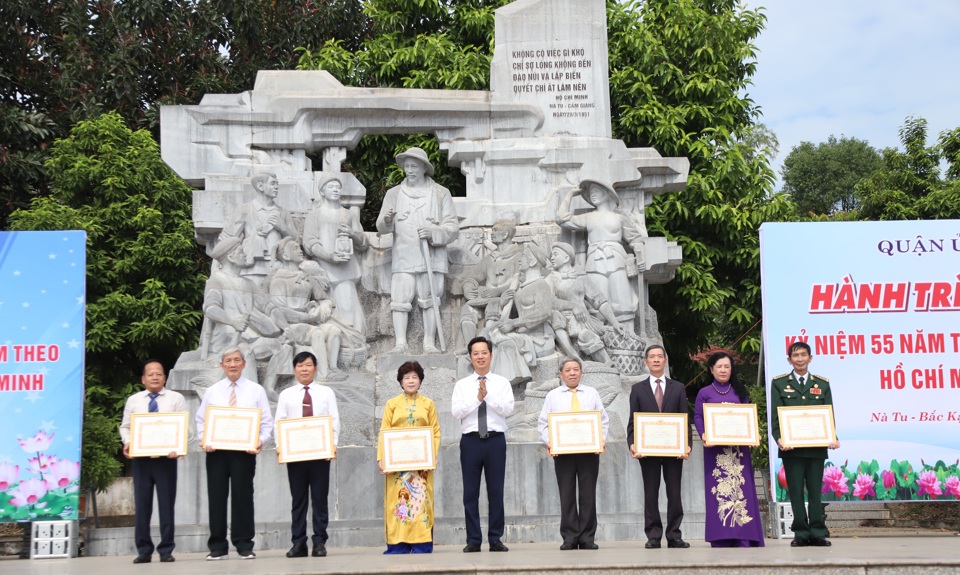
(848, 556)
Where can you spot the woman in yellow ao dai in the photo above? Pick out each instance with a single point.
(408, 495)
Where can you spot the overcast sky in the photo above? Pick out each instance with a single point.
(857, 68)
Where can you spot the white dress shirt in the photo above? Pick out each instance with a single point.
(168, 401)
(559, 400)
(499, 399)
(249, 394)
(290, 404)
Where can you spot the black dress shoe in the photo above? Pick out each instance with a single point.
(590, 546)
(799, 542)
(297, 551)
(143, 558)
(498, 546)
(167, 558)
(319, 550)
(652, 544)
(677, 544)
(568, 546)
(820, 542)
(472, 548)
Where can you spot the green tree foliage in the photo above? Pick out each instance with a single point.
(908, 185)
(822, 178)
(679, 75)
(145, 273)
(65, 61)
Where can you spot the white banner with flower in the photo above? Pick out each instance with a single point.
(879, 304)
(42, 285)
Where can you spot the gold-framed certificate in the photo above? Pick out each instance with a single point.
(807, 426)
(232, 428)
(575, 432)
(305, 439)
(660, 434)
(408, 449)
(158, 434)
(731, 424)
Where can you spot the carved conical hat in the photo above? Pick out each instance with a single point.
(585, 191)
(417, 154)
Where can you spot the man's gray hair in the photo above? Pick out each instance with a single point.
(230, 350)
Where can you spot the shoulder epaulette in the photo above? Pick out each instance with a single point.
(782, 376)
(821, 378)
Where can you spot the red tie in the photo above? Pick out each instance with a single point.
(307, 402)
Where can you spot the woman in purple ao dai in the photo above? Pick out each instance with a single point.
(732, 512)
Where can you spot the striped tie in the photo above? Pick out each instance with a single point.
(233, 394)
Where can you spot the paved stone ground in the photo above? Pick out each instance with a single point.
(892, 555)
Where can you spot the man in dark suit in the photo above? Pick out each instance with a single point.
(803, 465)
(659, 394)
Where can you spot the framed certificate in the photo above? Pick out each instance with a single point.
(731, 424)
(305, 439)
(158, 434)
(575, 432)
(408, 449)
(660, 434)
(232, 428)
(803, 426)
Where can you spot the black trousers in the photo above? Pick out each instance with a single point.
(230, 474)
(309, 483)
(489, 458)
(150, 473)
(807, 471)
(578, 523)
(672, 469)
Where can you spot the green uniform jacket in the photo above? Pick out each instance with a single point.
(786, 392)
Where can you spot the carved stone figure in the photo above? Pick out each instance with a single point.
(308, 310)
(524, 333)
(420, 215)
(483, 288)
(333, 235)
(237, 312)
(578, 302)
(607, 230)
(259, 225)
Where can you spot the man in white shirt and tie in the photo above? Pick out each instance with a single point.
(309, 480)
(659, 394)
(482, 401)
(153, 472)
(231, 472)
(578, 526)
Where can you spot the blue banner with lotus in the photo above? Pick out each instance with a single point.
(879, 304)
(42, 283)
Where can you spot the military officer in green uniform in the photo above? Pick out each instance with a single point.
(803, 465)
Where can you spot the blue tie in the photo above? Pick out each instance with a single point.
(153, 407)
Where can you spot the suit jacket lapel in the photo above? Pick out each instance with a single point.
(647, 392)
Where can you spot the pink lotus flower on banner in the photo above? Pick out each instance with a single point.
(889, 479)
(62, 473)
(929, 484)
(9, 474)
(952, 485)
(834, 480)
(39, 442)
(41, 463)
(863, 486)
(28, 492)
(782, 477)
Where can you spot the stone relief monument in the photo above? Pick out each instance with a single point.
(547, 255)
